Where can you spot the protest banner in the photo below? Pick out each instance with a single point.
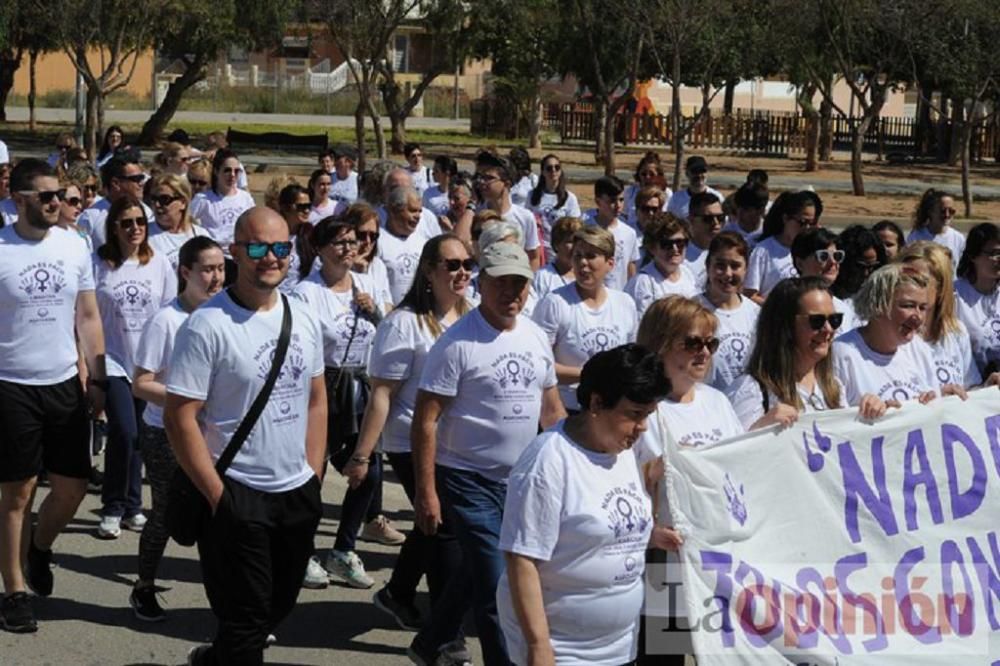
(838, 541)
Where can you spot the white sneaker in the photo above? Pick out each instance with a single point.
(110, 527)
(316, 576)
(348, 568)
(136, 522)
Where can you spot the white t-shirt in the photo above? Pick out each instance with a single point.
(737, 332)
(8, 212)
(421, 179)
(547, 279)
(128, 297)
(328, 208)
(344, 191)
(529, 226)
(94, 220)
(401, 257)
(576, 332)
(338, 317)
(39, 283)
(748, 400)
(429, 225)
(950, 237)
(585, 518)
(650, 285)
(695, 259)
(953, 361)
(631, 217)
(222, 355)
(218, 213)
(749, 236)
(707, 419)
(168, 243)
(770, 263)
(436, 200)
(402, 342)
(4, 155)
(626, 251)
(981, 315)
(153, 352)
(496, 380)
(520, 192)
(851, 319)
(549, 212)
(900, 376)
(680, 201)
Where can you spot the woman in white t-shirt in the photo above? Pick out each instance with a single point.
(435, 301)
(70, 207)
(771, 260)
(435, 197)
(978, 292)
(170, 196)
(550, 200)
(791, 366)
(648, 173)
(461, 209)
(319, 191)
(815, 254)
(217, 209)
(585, 317)
(726, 265)
(932, 222)
(573, 587)
(524, 181)
(558, 272)
(365, 221)
(887, 357)
(294, 204)
(943, 330)
(201, 273)
(132, 283)
(665, 240)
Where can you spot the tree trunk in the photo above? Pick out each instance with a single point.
(811, 116)
(359, 134)
(600, 125)
(32, 88)
(373, 113)
(153, 128)
(10, 60)
(825, 130)
(676, 122)
(90, 123)
(101, 104)
(955, 144)
(535, 123)
(858, 133)
(966, 139)
(923, 130)
(397, 122)
(391, 93)
(730, 95)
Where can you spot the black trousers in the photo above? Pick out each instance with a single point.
(253, 554)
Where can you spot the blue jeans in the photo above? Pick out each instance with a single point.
(474, 505)
(121, 493)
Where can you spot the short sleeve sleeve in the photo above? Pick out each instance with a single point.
(85, 275)
(152, 346)
(748, 401)
(532, 510)
(442, 373)
(546, 315)
(531, 241)
(392, 352)
(755, 271)
(193, 353)
(572, 206)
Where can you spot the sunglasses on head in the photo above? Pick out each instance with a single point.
(257, 251)
(45, 197)
(165, 200)
(672, 243)
(129, 223)
(694, 344)
(452, 265)
(823, 256)
(817, 321)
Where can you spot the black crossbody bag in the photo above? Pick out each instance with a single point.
(187, 508)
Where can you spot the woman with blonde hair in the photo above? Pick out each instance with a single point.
(943, 331)
(170, 196)
(199, 175)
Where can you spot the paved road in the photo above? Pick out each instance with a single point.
(87, 621)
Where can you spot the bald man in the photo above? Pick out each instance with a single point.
(266, 506)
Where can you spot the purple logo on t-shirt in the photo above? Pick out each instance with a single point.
(42, 279)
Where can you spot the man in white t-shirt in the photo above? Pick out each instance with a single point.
(344, 179)
(609, 195)
(255, 545)
(48, 302)
(696, 171)
(750, 202)
(420, 174)
(122, 176)
(494, 176)
(488, 383)
(705, 222)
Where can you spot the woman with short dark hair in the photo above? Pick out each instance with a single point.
(218, 208)
(978, 291)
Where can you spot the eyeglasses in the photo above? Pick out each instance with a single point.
(649, 210)
(165, 200)
(672, 243)
(712, 219)
(90, 188)
(366, 236)
(303, 207)
(817, 321)
(198, 183)
(343, 244)
(45, 197)
(823, 256)
(129, 223)
(804, 222)
(257, 251)
(75, 202)
(994, 255)
(486, 178)
(694, 344)
(553, 168)
(452, 265)
(137, 178)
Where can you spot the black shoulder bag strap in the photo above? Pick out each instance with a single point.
(248, 422)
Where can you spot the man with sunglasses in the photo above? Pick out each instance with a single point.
(705, 223)
(264, 510)
(696, 171)
(123, 176)
(48, 300)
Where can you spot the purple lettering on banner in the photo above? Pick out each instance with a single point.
(959, 609)
(856, 485)
(992, 425)
(810, 576)
(722, 565)
(843, 569)
(915, 447)
(988, 574)
(913, 601)
(963, 502)
(769, 596)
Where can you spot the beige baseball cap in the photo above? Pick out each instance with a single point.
(502, 259)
